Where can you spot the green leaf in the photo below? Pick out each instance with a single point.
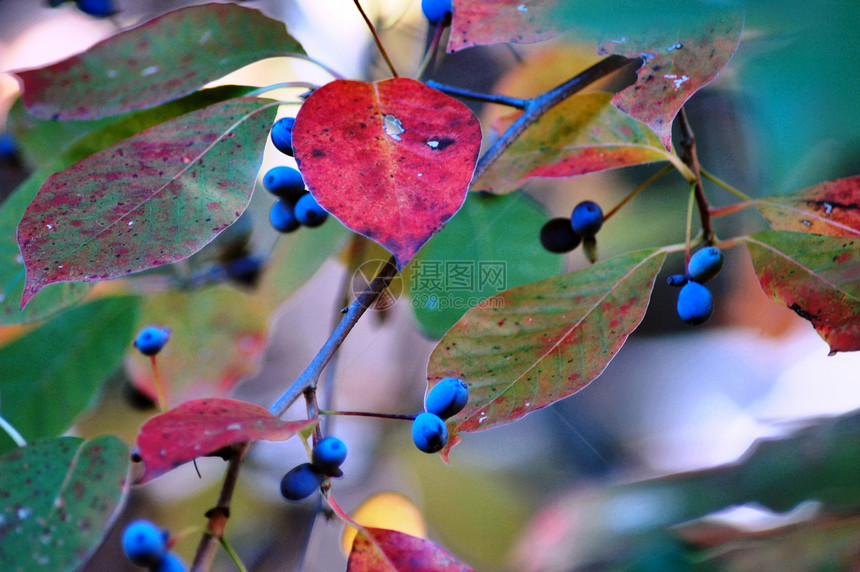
(152, 199)
(51, 374)
(583, 134)
(58, 499)
(490, 245)
(160, 60)
(818, 277)
(531, 346)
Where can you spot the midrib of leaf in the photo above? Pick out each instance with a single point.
(401, 220)
(174, 178)
(572, 329)
(802, 267)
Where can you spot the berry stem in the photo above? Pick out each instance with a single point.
(430, 54)
(159, 386)
(689, 231)
(228, 548)
(376, 38)
(690, 158)
(12, 432)
(539, 105)
(477, 96)
(638, 190)
(730, 209)
(402, 416)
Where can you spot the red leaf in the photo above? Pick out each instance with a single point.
(382, 550)
(392, 160)
(154, 198)
(197, 428)
(160, 60)
(531, 346)
(484, 22)
(677, 63)
(832, 207)
(818, 277)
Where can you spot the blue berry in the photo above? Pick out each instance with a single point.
(586, 219)
(328, 455)
(170, 563)
(437, 10)
(557, 236)
(429, 432)
(285, 183)
(282, 135)
(283, 217)
(144, 543)
(309, 212)
(695, 303)
(97, 8)
(705, 264)
(677, 280)
(245, 270)
(300, 482)
(8, 146)
(151, 339)
(448, 397)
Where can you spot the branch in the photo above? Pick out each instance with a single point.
(690, 158)
(485, 97)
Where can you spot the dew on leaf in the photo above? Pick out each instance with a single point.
(675, 46)
(149, 71)
(522, 8)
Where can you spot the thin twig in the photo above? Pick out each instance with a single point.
(517, 102)
(638, 190)
(690, 158)
(430, 55)
(541, 104)
(402, 416)
(376, 38)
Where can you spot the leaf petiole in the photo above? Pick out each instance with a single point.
(12, 432)
(716, 180)
(232, 554)
(638, 190)
(402, 416)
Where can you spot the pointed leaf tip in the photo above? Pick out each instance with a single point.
(392, 160)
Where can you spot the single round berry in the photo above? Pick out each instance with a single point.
(328, 455)
(695, 303)
(245, 270)
(437, 10)
(705, 264)
(144, 543)
(8, 146)
(97, 8)
(586, 219)
(151, 339)
(309, 212)
(170, 563)
(284, 182)
(557, 236)
(282, 135)
(447, 398)
(282, 215)
(300, 482)
(677, 280)
(429, 432)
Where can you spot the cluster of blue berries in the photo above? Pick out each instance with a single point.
(151, 339)
(437, 11)
(146, 545)
(562, 235)
(695, 302)
(295, 206)
(326, 458)
(445, 399)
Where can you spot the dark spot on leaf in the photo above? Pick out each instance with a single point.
(801, 312)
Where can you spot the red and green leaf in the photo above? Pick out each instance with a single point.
(392, 160)
(201, 427)
(677, 62)
(818, 277)
(58, 499)
(583, 134)
(485, 22)
(531, 346)
(160, 60)
(152, 199)
(383, 550)
(831, 207)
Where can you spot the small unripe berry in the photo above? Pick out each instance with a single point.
(429, 432)
(282, 216)
(309, 212)
(557, 236)
(144, 543)
(285, 183)
(328, 455)
(282, 135)
(151, 339)
(437, 10)
(300, 482)
(695, 303)
(586, 219)
(705, 264)
(447, 398)
(677, 280)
